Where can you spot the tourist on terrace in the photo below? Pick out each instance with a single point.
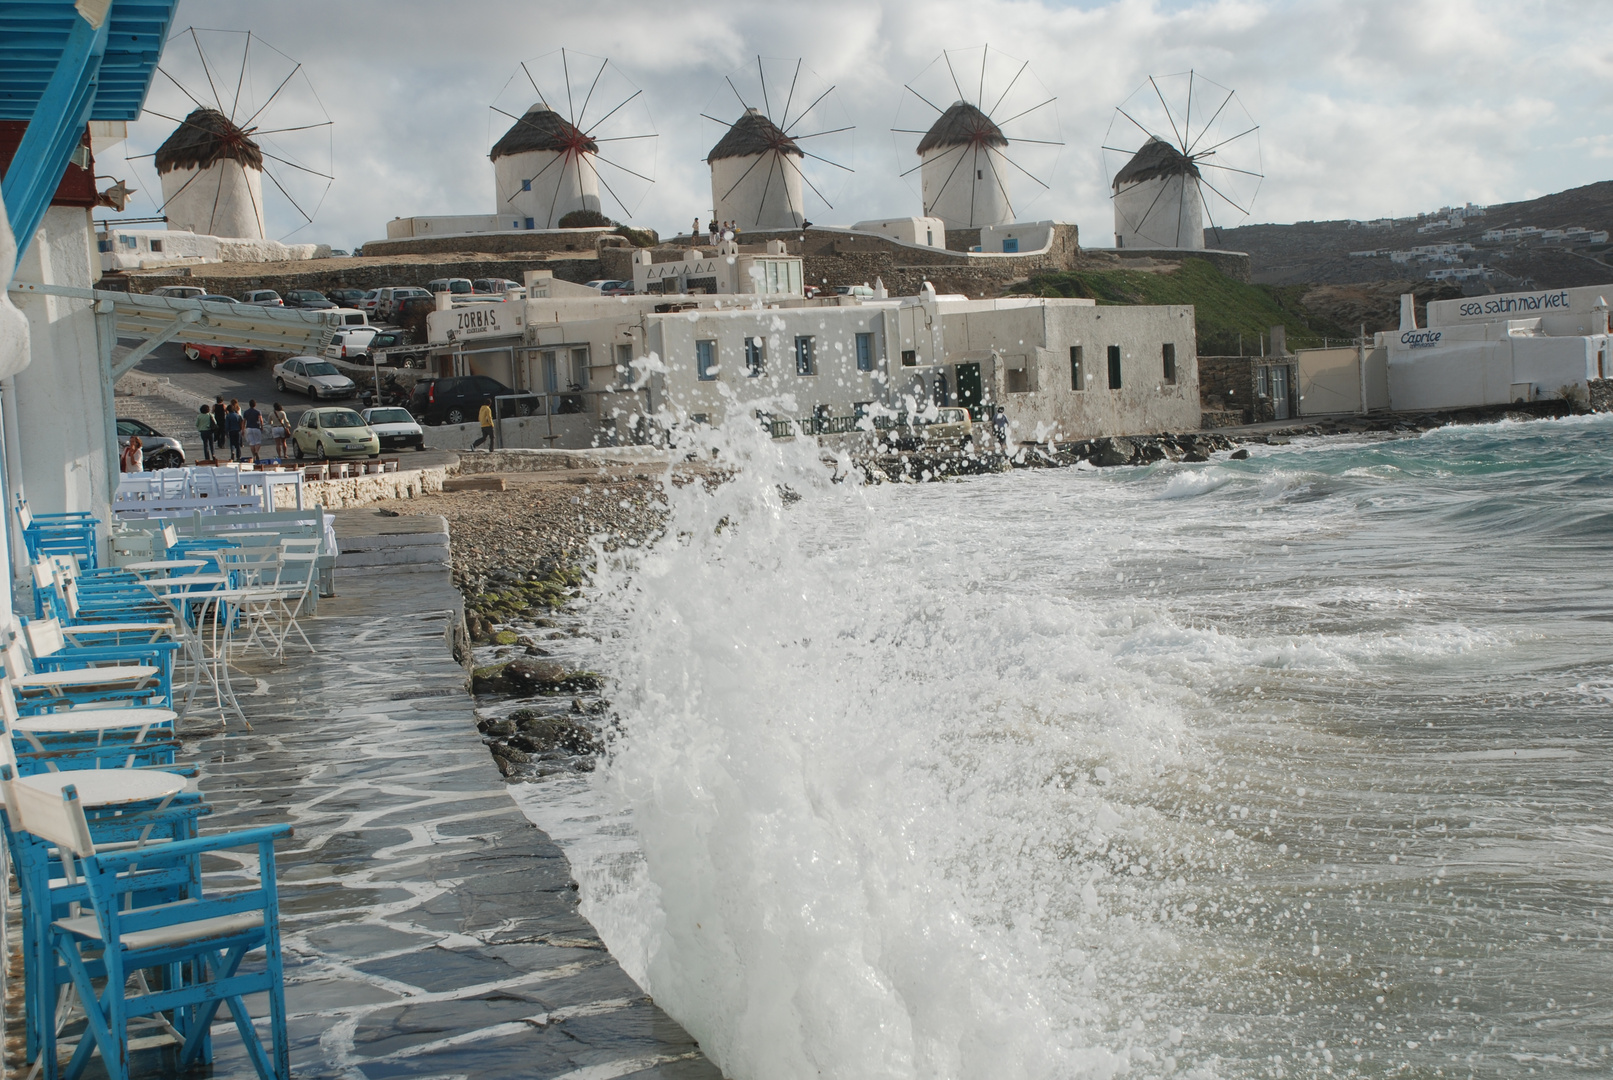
(232, 428)
(252, 427)
(279, 431)
(133, 459)
(208, 430)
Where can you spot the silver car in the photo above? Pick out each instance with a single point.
(314, 376)
(159, 451)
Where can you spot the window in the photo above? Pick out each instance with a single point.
(1114, 367)
(103, 244)
(529, 223)
(929, 237)
(1168, 350)
(755, 356)
(806, 358)
(705, 359)
(910, 358)
(624, 363)
(980, 174)
(156, 245)
(865, 352)
(549, 371)
(129, 241)
(526, 185)
(1011, 245)
(579, 367)
(1078, 379)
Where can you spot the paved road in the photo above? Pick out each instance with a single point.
(256, 381)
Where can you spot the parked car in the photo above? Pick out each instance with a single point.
(222, 355)
(314, 376)
(339, 253)
(457, 285)
(307, 299)
(395, 428)
(264, 297)
(333, 433)
(368, 301)
(864, 291)
(388, 300)
(180, 292)
(160, 451)
(352, 316)
(498, 285)
(610, 286)
(350, 344)
(346, 297)
(457, 400)
(217, 298)
(950, 422)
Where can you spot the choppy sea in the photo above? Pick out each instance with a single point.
(1294, 766)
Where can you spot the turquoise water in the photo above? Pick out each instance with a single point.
(1294, 766)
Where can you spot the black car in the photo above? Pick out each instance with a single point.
(307, 299)
(346, 297)
(458, 400)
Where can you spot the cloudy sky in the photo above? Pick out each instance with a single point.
(1366, 107)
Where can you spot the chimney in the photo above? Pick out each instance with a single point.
(1408, 311)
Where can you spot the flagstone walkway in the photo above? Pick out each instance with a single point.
(430, 930)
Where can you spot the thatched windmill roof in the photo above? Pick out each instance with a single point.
(750, 135)
(962, 125)
(207, 136)
(542, 129)
(1156, 158)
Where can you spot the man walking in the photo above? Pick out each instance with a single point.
(252, 427)
(484, 416)
(206, 429)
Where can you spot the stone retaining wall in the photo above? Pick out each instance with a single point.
(1600, 395)
(504, 461)
(522, 240)
(359, 490)
(322, 275)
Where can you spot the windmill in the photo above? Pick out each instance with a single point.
(547, 164)
(244, 111)
(759, 168)
(1001, 128)
(1177, 149)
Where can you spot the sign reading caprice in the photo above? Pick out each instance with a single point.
(1492, 306)
(1420, 339)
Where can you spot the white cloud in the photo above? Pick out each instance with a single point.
(1367, 107)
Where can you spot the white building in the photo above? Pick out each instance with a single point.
(148, 249)
(212, 177)
(543, 169)
(964, 175)
(1493, 350)
(756, 175)
(1157, 200)
(1060, 369)
(731, 270)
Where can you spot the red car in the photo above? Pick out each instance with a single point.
(223, 355)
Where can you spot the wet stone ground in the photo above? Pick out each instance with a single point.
(430, 930)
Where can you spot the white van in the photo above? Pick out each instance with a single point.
(353, 316)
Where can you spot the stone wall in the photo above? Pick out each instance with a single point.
(504, 461)
(1231, 383)
(359, 490)
(1601, 395)
(515, 240)
(1234, 264)
(322, 275)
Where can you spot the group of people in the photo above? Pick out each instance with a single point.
(235, 427)
(717, 230)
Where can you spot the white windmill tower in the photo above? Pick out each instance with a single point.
(547, 165)
(1186, 166)
(541, 170)
(212, 177)
(978, 148)
(758, 167)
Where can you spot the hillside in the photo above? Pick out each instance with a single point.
(1319, 252)
(1229, 313)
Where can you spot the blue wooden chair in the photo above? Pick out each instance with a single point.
(49, 680)
(204, 936)
(58, 534)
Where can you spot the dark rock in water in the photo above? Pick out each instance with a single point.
(1195, 457)
(499, 729)
(527, 677)
(1115, 451)
(1240, 454)
(1150, 452)
(542, 734)
(1276, 440)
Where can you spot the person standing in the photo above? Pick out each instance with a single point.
(484, 416)
(232, 428)
(711, 227)
(280, 430)
(206, 429)
(999, 424)
(694, 231)
(252, 427)
(132, 459)
(219, 409)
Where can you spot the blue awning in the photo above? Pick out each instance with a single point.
(62, 65)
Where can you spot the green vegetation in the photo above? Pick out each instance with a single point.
(585, 219)
(1223, 307)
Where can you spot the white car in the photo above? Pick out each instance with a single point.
(395, 427)
(180, 292)
(314, 376)
(350, 343)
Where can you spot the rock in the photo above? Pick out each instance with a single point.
(545, 677)
(547, 734)
(1116, 451)
(499, 729)
(506, 637)
(534, 650)
(1240, 454)
(1195, 456)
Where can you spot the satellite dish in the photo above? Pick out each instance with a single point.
(1179, 149)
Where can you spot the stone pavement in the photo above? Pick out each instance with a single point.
(431, 931)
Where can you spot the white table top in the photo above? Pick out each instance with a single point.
(94, 720)
(164, 626)
(109, 787)
(186, 581)
(162, 564)
(101, 676)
